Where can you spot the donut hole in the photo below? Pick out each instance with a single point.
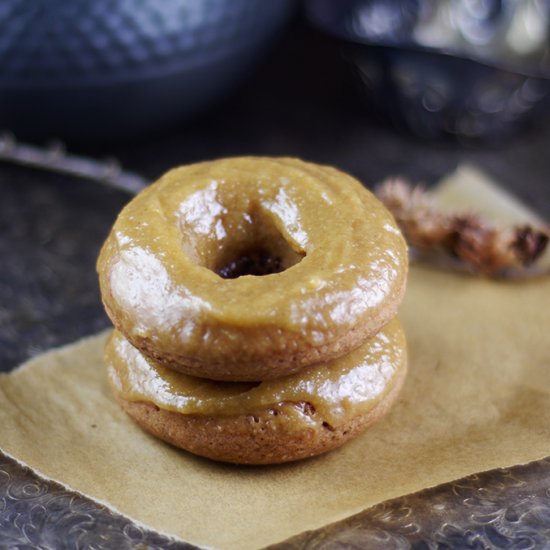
(257, 248)
(255, 262)
(240, 243)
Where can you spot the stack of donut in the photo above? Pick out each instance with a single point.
(254, 303)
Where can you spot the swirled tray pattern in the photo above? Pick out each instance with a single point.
(500, 509)
(508, 508)
(35, 513)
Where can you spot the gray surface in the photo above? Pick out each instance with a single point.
(300, 104)
(501, 509)
(38, 514)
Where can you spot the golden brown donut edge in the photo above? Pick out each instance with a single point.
(266, 437)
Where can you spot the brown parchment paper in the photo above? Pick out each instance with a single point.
(477, 397)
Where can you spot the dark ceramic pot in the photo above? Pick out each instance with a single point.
(98, 69)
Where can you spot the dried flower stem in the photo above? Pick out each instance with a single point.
(481, 245)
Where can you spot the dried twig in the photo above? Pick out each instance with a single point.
(470, 238)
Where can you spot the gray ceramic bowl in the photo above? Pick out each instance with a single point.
(96, 69)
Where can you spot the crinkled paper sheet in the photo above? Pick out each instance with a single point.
(477, 398)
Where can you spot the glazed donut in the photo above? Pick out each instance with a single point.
(290, 418)
(178, 272)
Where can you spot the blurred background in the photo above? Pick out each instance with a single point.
(354, 83)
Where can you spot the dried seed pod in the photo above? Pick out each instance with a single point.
(468, 237)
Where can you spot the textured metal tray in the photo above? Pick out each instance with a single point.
(499, 509)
